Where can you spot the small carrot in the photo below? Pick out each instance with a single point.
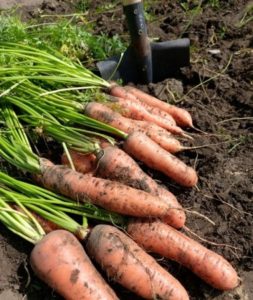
(60, 261)
(115, 164)
(108, 194)
(161, 238)
(135, 110)
(119, 91)
(126, 263)
(143, 148)
(103, 113)
(181, 116)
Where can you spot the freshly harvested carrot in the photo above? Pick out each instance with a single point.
(126, 263)
(181, 116)
(115, 164)
(119, 91)
(103, 113)
(60, 261)
(161, 238)
(143, 148)
(108, 194)
(134, 110)
(83, 163)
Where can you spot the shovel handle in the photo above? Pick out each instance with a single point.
(133, 10)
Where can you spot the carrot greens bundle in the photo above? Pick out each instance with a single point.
(51, 67)
(21, 223)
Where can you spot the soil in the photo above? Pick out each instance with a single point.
(217, 90)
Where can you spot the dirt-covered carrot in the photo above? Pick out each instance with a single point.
(181, 116)
(143, 148)
(134, 110)
(108, 194)
(60, 260)
(104, 114)
(115, 164)
(126, 263)
(161, 238)
(119, 91)
(57, 258)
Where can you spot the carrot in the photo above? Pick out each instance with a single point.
(160, 238)
(115, 164)
(108, 194)
(60, 260)
(143, 148)
(118, 91)
(84, 163)
(181, 116)
(103, 113)
(135, 110)
(126, 263)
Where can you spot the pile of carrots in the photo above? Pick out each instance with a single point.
(110, 178)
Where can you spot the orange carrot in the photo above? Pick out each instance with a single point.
(118, 91)
(126, 263)
(134, 110)
(143, 148)
(108, 194)
(181, 116)
(60, 260)
(159, 135)
(160, 238)
(83, 163)
(115, 164)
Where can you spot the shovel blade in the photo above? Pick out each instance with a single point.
(167, 58)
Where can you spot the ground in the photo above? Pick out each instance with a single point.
(217, 90)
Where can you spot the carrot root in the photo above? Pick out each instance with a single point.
(115, 164)
(181, 116)
(147, 151)
(108, 194)
(126, 263)
(60, 261)
(160, 238)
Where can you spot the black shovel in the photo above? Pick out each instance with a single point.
(144, 62)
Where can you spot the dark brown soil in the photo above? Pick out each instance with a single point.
(217, 90)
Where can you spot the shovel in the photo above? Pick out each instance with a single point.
(144, 62)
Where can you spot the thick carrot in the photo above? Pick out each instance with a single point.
(143, 148)
(103, 113)
(126, 263)
(83, 163)
(60, 261)
(160, 238)
(115, 164)
(108, 194)
(181, 116)
(134, 110)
